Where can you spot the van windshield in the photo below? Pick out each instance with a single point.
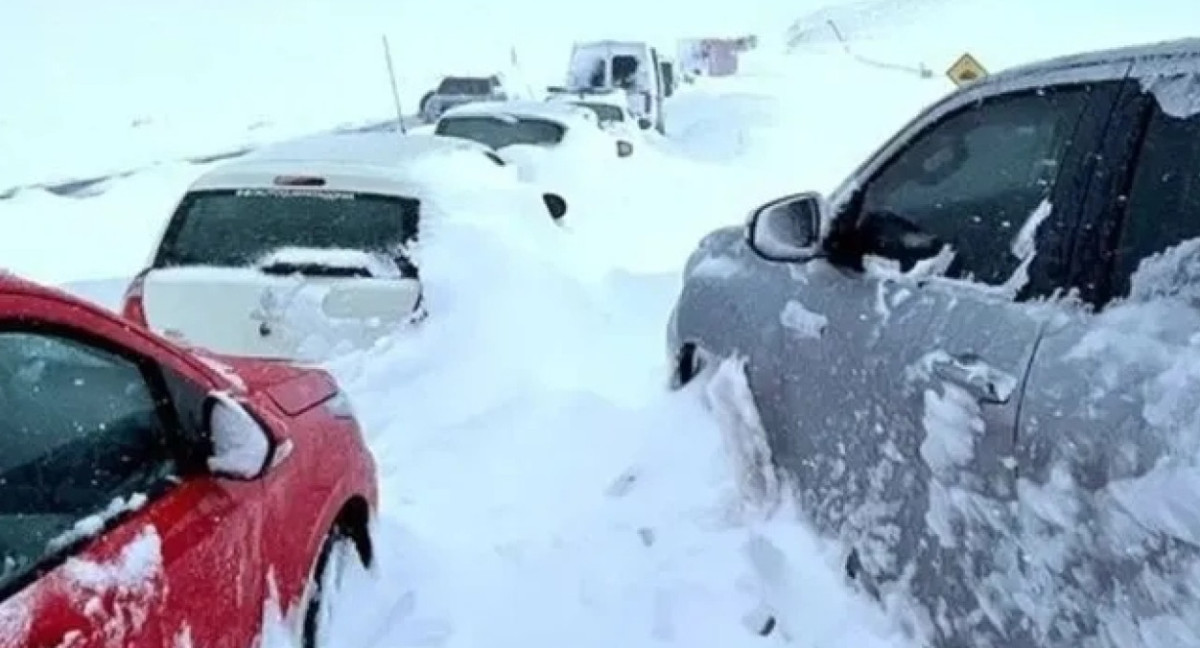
(234, 228)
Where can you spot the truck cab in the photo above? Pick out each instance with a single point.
(631, 66)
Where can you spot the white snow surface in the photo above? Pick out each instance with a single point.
(539, 486)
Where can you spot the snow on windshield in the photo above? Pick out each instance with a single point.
(236, 227)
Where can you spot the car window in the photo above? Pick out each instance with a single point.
(976, 179)
(232, 228)
(1163, 207)
(625, 70)
(497, 132)
(79, 428)
(604, 112)
(465, 86)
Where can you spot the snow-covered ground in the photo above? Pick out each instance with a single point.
(539, 485)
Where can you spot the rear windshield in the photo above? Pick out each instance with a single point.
(234, 228)
(497, 132)
(465, 86)
(604, 112)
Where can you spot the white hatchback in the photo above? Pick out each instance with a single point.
(543, 124)
(304, 249)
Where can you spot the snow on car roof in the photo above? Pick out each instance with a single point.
(382, 148)
(563, 113)
(384, 163)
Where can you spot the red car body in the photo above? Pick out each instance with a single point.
(200, 556)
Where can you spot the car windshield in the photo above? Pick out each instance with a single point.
(233, 228)
(501, 131)
(465, 86)
(604, 112)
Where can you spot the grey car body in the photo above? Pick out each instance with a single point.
(460, 90)
(1003, 440)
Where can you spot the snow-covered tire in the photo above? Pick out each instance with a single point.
(339, 542)
(689, 363)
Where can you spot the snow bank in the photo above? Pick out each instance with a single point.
(54, 239)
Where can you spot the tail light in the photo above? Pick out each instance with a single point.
(132, 306)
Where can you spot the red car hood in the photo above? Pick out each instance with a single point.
(293, 389)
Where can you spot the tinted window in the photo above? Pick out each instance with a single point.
(236, 228)
(78, 428)
(604, 112)
(498, 132)
(1164, 200)
(465, 86)
(975, 179)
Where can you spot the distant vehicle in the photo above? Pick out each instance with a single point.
(154, 497)
(274, 254)
(977, 361)
(549, 125)
(610, 107)
(714, 57)
(458, 90)
(634, 67)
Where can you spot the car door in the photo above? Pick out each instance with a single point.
(898, 385)
(112, 535)
(1108, 425)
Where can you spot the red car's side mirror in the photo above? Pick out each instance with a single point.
(242, 447)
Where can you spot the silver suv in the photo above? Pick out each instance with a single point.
(459, 90)
(978, 362)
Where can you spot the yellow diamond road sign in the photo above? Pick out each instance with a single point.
(965, 70)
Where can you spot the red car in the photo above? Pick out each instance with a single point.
(152, 496)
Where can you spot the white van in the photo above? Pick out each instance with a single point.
(633, 66)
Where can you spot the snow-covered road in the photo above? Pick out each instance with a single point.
(540, 486)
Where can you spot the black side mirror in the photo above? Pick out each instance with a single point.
(787, 229)
(556, 205)
(644, 123)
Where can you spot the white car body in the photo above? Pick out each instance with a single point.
(301, 302)
(578, 129)
(610, 107)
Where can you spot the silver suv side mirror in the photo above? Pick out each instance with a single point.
(788, 229)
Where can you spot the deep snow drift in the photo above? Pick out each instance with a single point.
(539, 484)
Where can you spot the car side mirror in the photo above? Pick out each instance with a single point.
(241, 446)
(624, 149)
(556, 205)
(644, 123)
(787, 229)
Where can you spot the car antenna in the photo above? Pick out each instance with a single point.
(387, 55)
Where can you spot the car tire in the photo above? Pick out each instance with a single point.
(339, 536)
(689, 363)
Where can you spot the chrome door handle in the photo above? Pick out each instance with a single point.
(970, 372)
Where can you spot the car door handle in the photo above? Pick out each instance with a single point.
(970, 372)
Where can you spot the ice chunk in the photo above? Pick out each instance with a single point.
(377, 265)
(805, 323)
(952, 421)
(729, 397)
(91, 525)
(138, 564)
(1178, 95)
